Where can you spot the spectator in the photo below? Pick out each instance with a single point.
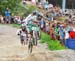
(12, 19)
(7, 14)
(42, 24)
(62, 35)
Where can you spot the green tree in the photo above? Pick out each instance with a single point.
(11, 4)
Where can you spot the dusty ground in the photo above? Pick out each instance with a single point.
(11, 49)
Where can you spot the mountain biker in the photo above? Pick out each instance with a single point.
(23, 35)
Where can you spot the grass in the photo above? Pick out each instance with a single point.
(16, 25)
(52, 44)
(44, 37)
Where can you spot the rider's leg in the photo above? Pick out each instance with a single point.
(22, 42)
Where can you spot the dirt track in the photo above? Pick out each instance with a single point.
(11, 50)
(10, 46)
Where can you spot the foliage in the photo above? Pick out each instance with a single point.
(16, 7)
(30, 9)
(11, 4)
(52, 44)
(44, 37)
(55, 45)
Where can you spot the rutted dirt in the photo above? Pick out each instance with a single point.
(11, 49)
